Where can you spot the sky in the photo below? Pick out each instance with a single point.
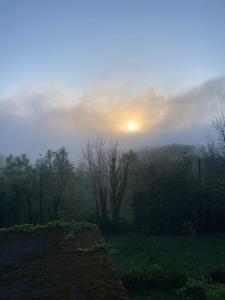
(72, 69)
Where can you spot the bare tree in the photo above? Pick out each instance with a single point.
(214, 154)
(219, 125)
(108, 168)
(118, 165)
(95, 157)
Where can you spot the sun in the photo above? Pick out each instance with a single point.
(132, 126)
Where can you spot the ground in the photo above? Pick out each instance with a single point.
(43, 265)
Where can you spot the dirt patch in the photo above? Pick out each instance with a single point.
(39, 266)
(82, 240)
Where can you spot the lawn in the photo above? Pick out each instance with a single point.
(194, 255)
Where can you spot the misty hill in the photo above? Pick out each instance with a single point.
(172, 151)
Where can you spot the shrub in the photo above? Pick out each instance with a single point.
(70, 227)
(193, 290)
(216, 292)
(174, 278)
(218, 275)
(136, 279)
(21, 228)
(154, 278)
(96, 245)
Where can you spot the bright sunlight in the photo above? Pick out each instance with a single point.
(133, 126)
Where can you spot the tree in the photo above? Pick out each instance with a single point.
(164, 193)
(54, 173)
(20, 183)
(108, 168)
(118, 167)
(95, 158)
(63, 174)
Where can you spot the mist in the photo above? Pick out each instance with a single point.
(37, 117)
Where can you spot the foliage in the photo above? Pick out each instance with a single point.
(71, 228)
(96, 245)
(193, 290)
(155, 278)
(165, 190)
(216, 292)
(192, 256)
(21, 228)
(176, 189)
(39, 192)
(195, 255)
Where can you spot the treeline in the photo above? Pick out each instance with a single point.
(170, 189)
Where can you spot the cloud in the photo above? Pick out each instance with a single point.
(38, 117)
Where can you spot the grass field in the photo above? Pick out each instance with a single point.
(195, 256)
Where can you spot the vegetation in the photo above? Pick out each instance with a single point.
(168, 196)
(108, 169)
(180, 267)
(155, 277)
(175, 189)
(96, 245)
(70, 228)
(193, 290)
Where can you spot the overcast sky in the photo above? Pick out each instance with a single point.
(72, 69)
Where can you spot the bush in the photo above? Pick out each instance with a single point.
(155, 278)
(193, 290)
(218, 275)
(136, 279)
(174, 278)
(70, 227)
(216, 292)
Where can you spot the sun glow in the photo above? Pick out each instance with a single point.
(132, 126)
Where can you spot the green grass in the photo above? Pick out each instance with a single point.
(195, 256)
